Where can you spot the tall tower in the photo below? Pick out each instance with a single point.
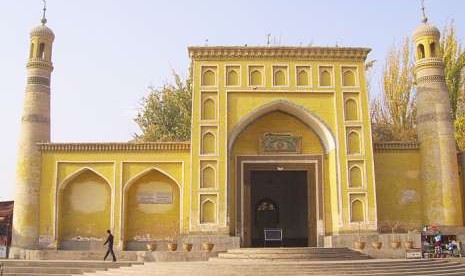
(35, 127)
(439, 169)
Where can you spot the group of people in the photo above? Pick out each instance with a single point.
(440, 246)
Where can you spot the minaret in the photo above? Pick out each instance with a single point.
(442, 202)
(35, 127)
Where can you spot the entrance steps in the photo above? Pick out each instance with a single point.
(334, 268)
(57, 267)
(289, 253)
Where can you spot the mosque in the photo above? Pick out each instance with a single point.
(281, 138)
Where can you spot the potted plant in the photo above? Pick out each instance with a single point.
(359, 244)
(151, 245)
(172, 242)
(408, 244)
(395, 243)
(208, 244)
(187, 245)
(377, 244)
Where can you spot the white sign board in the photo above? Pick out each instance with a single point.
(155, 198)
(3, 249)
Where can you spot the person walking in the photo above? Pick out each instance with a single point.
(109, 241)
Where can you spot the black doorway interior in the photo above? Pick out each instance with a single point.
(279, 200)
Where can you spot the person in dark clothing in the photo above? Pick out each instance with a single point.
(109, 241)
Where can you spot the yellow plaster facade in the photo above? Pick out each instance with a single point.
(254, 109)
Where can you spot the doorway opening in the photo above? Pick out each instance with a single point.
(279, 199)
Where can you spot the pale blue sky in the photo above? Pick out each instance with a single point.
(107, 52)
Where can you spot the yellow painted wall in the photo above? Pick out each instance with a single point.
(85, 207)
(118, 168)
(398, 187)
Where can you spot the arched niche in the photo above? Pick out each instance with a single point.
(303, 78)
(353, 142)
(151, 206)
(421, 51)
(256, 78)
(208, 143)
(355, 177)
(357, 213)
(84, 206)
(351, 110)
(279, 78)
(208, 109)
(208, 178)
(207, 211)
(348, 78)
(432, 49)
(325, 78)
(31, 51)
(232, 77)
(41, 52)
(208, 77)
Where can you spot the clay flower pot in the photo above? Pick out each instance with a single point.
(151, 246)
(207, 246)
(172, 246)
(395, 244)
(408, 244)
(376, 244)
(187, 247)
(359, 245)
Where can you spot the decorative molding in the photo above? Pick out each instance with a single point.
(429, 79)
(35, 118)
(429, 62)
(272, 143)
(396, 146)
(39, 63)
(68, 147)
(38, 80)
(321, 53)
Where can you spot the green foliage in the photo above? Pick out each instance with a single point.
(454, 62)
(460, 131)
(165, 113)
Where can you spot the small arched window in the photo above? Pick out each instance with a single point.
(325, 78)
(432, 49)
(279, 78)
(348, 78)
(421, 51)
(208, 177)
(355, 177)
(31, 51)
(353, 141)
(208, 110)
(208, 212)
(208, 78)
(232, 78)
(351, 110)
(302, 78)
(41, 54)
(208, 143)
(357, 211)
(255, 78)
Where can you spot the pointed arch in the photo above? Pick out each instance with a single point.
(208, 109)
(357, 211)
(421, 51)
(232, 78)
(208, 211)
(325, 78)
(279, 78)
(208, 78)
(77, 173)
(351, 110)
(307, 117)
(142, 215)
(208, 143)
(348, 78)
(256, 78)
(353, 143)
(355, 177)
(303, 78)
(432, 49)
(208, 177)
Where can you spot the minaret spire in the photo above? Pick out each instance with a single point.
(44, 19)
(423, 13)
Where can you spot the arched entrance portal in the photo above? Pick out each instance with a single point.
(291, 179)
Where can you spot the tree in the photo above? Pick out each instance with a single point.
(454, 62)
(393, 112)
(165, 113)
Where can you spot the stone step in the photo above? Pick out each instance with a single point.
(48, 263)
(358, 268)
(291, 250)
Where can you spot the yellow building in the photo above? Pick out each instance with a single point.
(281, 137)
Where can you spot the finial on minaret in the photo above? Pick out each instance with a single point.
(424, 19)
(44, 20)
